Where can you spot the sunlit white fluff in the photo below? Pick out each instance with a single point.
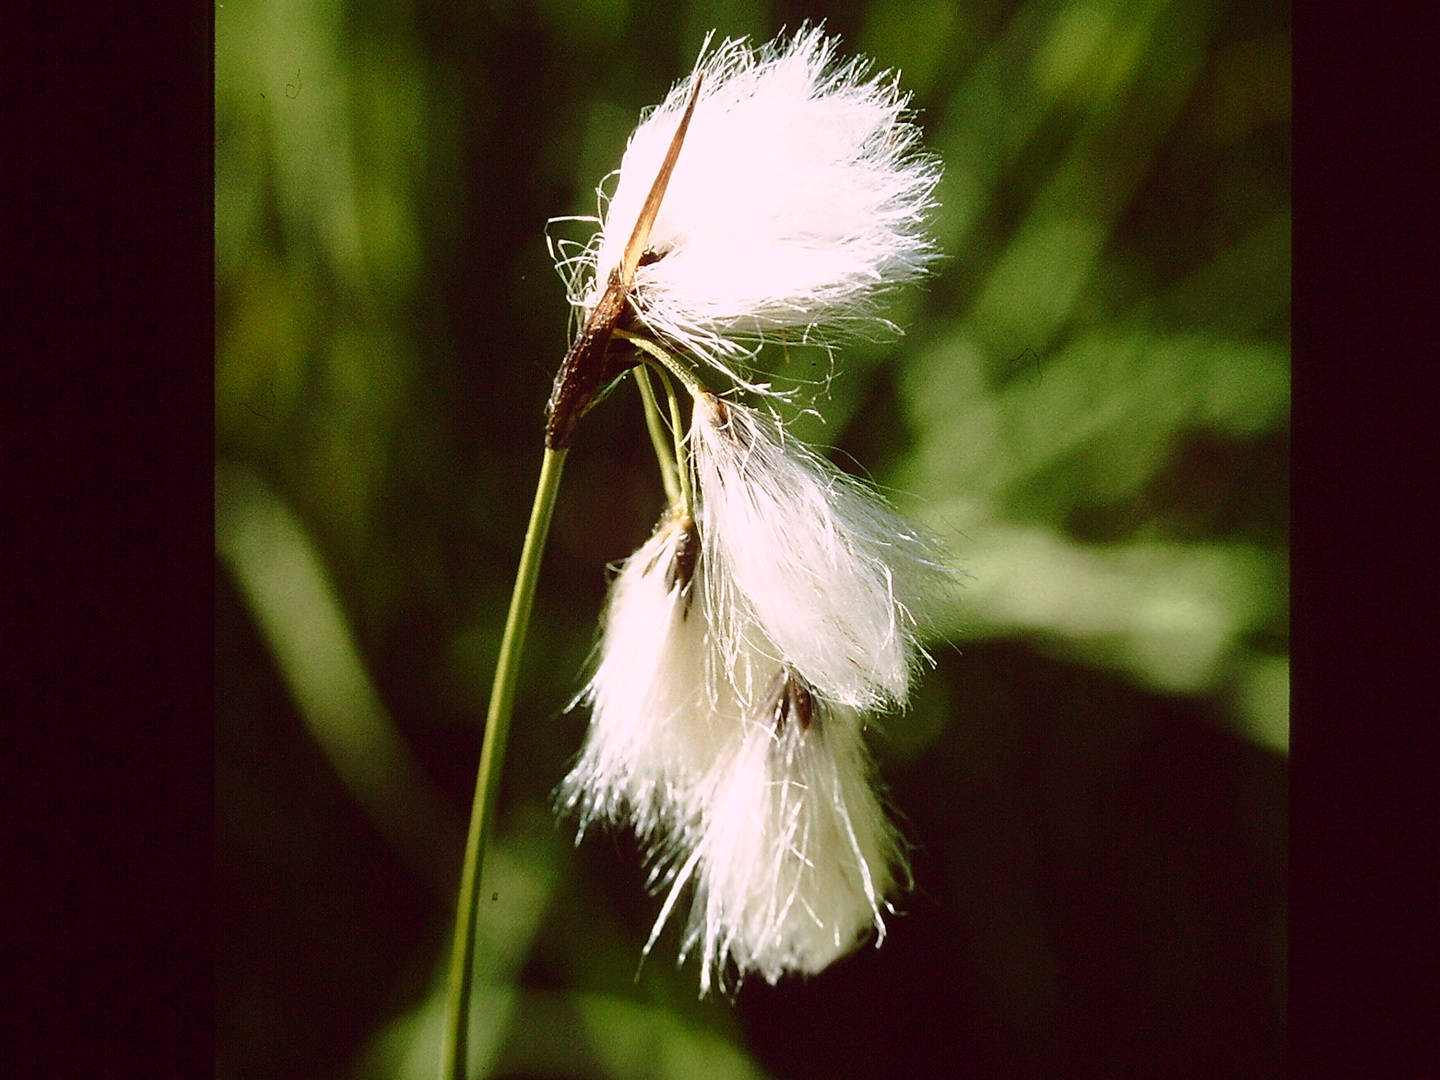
(837, 581)
(796, 855)
(766, 820)
(654, 731)
(800, 194)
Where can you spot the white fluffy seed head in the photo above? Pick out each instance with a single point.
(797, 854)
(837, 581)
(654, 732)
(799, 195)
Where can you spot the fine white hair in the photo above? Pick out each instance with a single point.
(836, 579)
(797, 854)
(799, 195)
(654, 730)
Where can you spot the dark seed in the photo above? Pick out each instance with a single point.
(790, 696)
(681, 571)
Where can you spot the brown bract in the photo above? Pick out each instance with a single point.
(591, 363)
(586, 367)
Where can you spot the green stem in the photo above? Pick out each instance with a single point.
(669, 360)
(682, 466)
(454, 1049)
(657, 435)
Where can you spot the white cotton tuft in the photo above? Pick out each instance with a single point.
(653, 730)
(797, 854)
(835, 579)
(799, 195)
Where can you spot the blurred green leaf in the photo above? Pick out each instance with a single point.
(281, 576)
(1090, 403)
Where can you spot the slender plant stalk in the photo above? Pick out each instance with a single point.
(671, 362)
(677, 429)
(454, 1049)
(575, 388)
(667, 362)
(657, 436)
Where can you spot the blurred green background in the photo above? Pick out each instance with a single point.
(1090, 404)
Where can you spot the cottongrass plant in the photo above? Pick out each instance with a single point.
(779, 603)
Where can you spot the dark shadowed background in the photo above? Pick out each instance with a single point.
(1090, 405)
